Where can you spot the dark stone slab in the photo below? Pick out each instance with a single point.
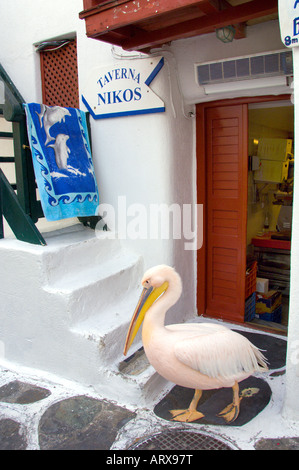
(10, 436)
(213, 402)
(81, 423)
(22, 393)
(284, 443)
(274, 349)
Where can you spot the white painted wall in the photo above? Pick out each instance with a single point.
(22, 25)
(148, 158)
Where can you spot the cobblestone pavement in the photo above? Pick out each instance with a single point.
(52, 416)
(38, 413)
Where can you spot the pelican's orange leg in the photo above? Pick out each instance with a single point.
(191, 414)
(231, 412)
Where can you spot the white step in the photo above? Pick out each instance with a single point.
(108, 329)
(66, 307)
(74, 250)
(96, 290)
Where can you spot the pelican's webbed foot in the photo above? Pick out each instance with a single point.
(186, 416)
(231, 412)
(191, 414)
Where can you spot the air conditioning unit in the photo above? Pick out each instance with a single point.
(270, 69)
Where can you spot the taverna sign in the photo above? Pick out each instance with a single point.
(123, 89)
(289, 22)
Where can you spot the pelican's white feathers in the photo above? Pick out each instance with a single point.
(216, 351)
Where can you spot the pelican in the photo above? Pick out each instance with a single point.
(201, 356)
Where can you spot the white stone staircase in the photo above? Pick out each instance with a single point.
(65, 308)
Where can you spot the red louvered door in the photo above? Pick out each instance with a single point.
(226, 211)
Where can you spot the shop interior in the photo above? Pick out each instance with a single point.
(269, 214)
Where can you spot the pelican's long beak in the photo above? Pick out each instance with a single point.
(147, 298)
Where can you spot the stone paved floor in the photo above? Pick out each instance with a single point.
(74, 423)
(41, 415)
(39, 411)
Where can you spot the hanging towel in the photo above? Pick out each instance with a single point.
(62, 161)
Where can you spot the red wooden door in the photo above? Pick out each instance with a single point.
(226, 211)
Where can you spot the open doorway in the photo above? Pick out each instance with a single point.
(228, 165)
(269, 208)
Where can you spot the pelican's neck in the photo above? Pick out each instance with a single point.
(155, 316)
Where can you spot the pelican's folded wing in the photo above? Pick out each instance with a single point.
(218, 354)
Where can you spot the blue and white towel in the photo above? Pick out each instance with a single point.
(62, 161)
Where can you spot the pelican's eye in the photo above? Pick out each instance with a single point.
(146, 284)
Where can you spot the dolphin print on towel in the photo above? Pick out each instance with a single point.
(48, 116)
(61, 150)
(62, 161)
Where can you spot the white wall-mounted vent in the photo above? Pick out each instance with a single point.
(278, 63)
